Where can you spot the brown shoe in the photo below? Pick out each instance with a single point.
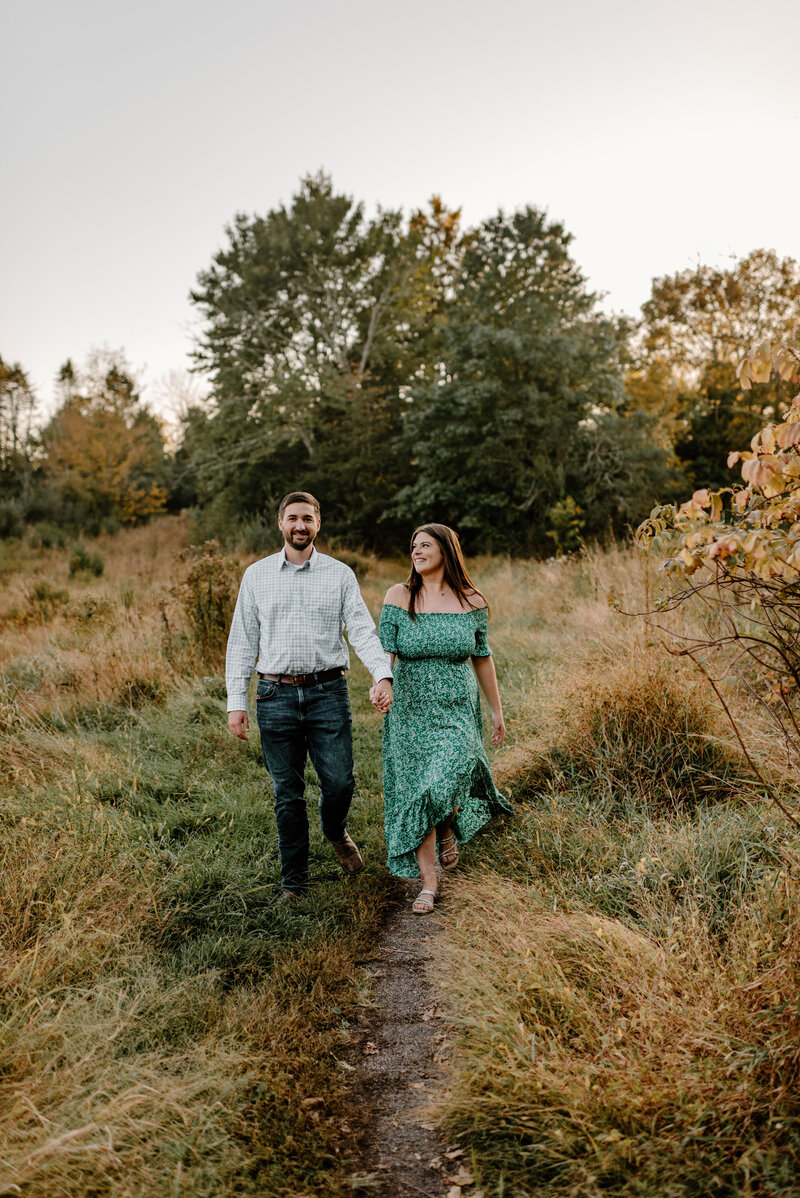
(349, 857)
(289, 896)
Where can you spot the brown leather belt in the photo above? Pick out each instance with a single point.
(305, 679)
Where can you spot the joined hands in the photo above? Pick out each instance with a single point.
(381, 695)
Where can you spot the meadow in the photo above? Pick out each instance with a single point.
(620, 962)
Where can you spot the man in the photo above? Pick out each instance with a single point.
(288, 621)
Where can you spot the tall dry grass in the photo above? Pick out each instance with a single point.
(163, 1020)
(168, 1028)
(623, 963)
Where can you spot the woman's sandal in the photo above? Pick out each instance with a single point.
(448, 856)
(423, 906)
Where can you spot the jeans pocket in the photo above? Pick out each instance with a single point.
(335, 685)
(266, 690)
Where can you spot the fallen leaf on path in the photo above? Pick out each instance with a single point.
(454, 1192)
(430, 1013)
(454, 1154)
(370, 1049)
(346, 1065)
(462, 1178)
(312, 1101)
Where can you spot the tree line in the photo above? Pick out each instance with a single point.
(404, 369)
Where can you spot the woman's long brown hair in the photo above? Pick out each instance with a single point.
(455, 572)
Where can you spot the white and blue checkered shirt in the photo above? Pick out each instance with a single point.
(290, 620)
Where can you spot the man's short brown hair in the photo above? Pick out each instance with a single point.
(298, 497)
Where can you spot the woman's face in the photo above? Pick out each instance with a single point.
(426, 553)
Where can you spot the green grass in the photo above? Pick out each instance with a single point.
(621, 957)
(164, 1016)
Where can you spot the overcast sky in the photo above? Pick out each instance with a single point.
(662, 135)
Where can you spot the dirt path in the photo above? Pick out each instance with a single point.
(397, 1052)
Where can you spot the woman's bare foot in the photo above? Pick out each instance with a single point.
(448, 852)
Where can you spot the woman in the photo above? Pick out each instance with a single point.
(436, 778)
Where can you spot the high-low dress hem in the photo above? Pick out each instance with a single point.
(434, 763)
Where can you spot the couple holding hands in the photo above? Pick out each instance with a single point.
(429, 658)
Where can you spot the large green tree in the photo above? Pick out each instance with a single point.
(316, 318)
(516, 418)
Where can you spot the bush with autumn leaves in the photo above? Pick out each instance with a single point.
(732, 557)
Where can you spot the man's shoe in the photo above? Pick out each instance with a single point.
(289, 896)
(349, 857)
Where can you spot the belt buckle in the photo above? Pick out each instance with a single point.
(297, 679)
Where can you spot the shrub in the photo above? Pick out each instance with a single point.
(257, 535)
(84, 561)
(48, 536)
(207, 593)
(12, 523)
(734, 560)
(640, 737)
(359, 563)
(43, 599)
(137, 691)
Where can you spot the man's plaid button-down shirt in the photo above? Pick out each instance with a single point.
(290, 620)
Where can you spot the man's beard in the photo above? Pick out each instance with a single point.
(302, 542)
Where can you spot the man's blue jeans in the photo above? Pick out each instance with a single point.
(295, 721)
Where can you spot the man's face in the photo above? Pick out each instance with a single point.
(299, 525)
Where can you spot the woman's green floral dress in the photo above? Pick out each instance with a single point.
(434, 763)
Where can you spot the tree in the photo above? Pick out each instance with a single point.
(716, 415)
(17, 416)
(316, 319)
(527, 374)
(709, 314)
(696, 325)
(103, 451)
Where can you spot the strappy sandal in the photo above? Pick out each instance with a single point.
(423, 906)
(448, 852)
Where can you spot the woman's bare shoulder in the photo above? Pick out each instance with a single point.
(397, 595)
(476, 600)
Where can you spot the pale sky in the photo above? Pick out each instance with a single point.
(661, 134)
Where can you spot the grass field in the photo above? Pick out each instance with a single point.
(621, 961)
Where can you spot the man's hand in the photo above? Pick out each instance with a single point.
(239, 724)
(381, 695)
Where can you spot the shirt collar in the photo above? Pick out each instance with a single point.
(307, 565)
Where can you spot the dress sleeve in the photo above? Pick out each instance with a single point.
(387, 629)
(481, 633)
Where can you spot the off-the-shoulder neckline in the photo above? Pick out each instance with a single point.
(472, 611)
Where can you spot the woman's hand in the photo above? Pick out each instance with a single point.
(498, 728)
(381, 695)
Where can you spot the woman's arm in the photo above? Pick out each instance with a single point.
(487, 680)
